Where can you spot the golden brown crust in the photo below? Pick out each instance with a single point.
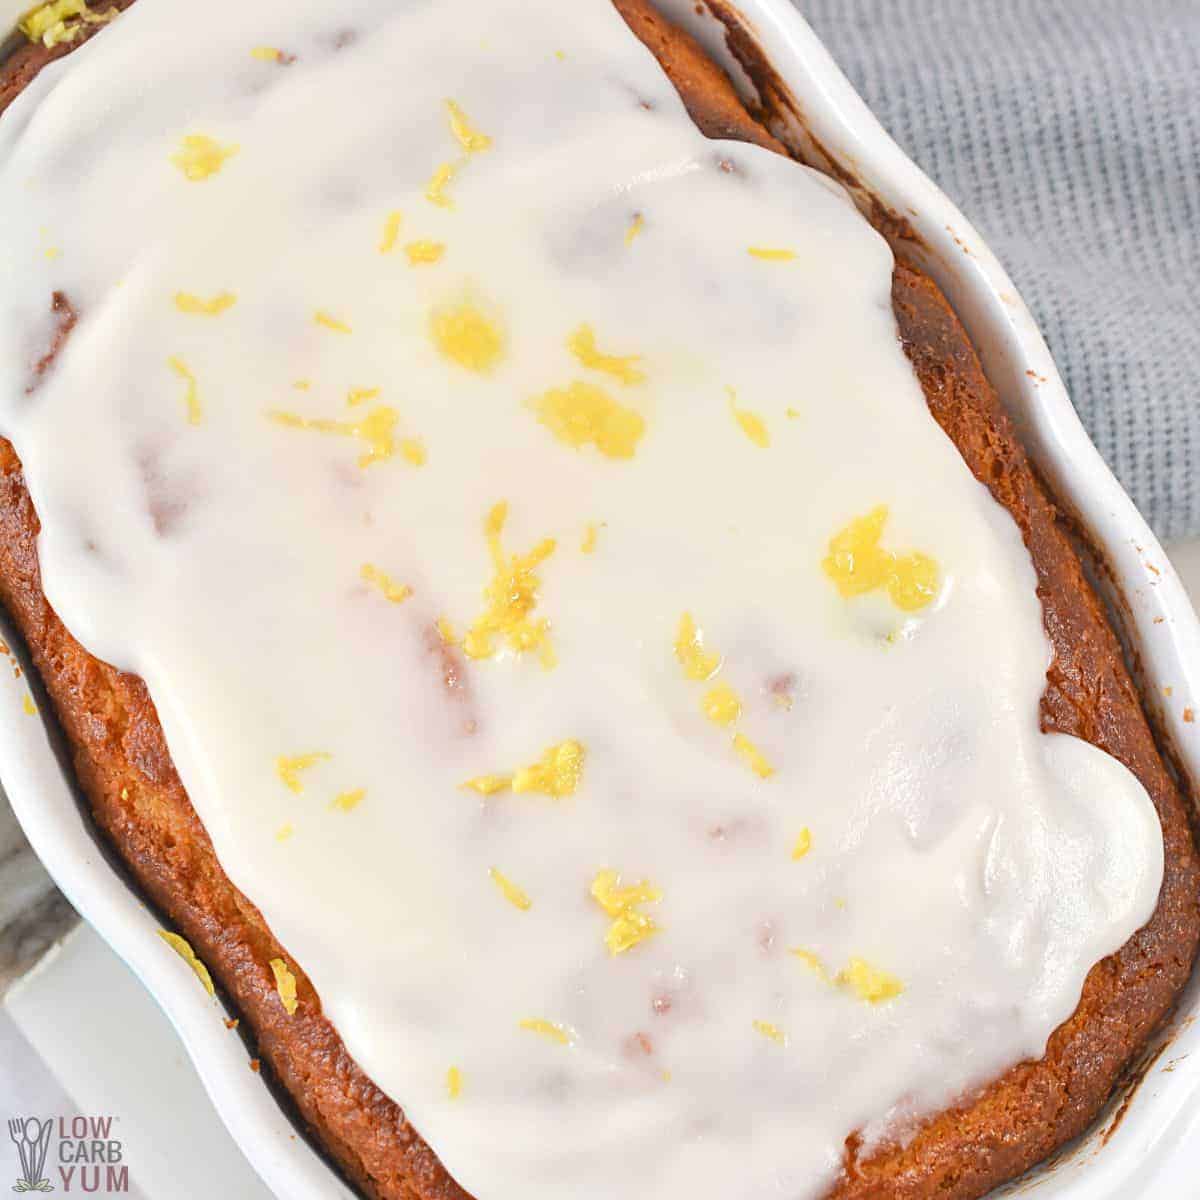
(125, 769)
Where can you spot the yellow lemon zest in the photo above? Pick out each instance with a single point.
(588, 545)
(435, 189)
(198, 306)
(635, 227)
(288, 768)
(191, 397)
(752, 756)
(697, 663)
(28, 705)
(581, 413)
(769, 254)
(412, 450)
(422, 251)
(61, 21)
(771, 1032)
(792, 413)
(348, 801)
(445, 629)
(489, 785)
(285, 985)
(857, 564)
(721, 705)
(466, 336)
(548, 1029)
(266, 54)
(869, 983)
(285, 831)
(200, 156)
(753, 426)
(185, 951)
(629, 925)
(510, 597)
(556, 773)
(357, 396)
(810, 960)
(511, 892)
(391, 231)
(395, 592)
(469, 138)
(582, 344)
(376, 429)
(803, 844)
(302, 385)
(454, 1083)
(331, 322)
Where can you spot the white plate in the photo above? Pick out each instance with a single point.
(1157, 618)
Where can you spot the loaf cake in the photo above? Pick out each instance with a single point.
(630, 749)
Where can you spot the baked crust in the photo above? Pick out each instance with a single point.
(125, 770)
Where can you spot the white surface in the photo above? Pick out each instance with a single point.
(1012, 346)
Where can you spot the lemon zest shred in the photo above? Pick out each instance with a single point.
(869, 983)
(771, 1032)
(439, 181)
(285, 831)
(547, 1029)
(357, 396)
(395, 593)
(588, 545)
(28, 705)
(376, 430)
(331, 322)
(465, 335)
(582, 413)
(423, 252)
(412, 450)
(697, 663)
(857, 564)
(810, 960)
(191, 396)
(802, 845)
(186, 302)
(635, 228)
(515, 895)
(391, 231)
(185, 951)
(61, 21)
(629, 926)
(285, 985)
(771, 254)
(557, 773)
(489, 785)
(469, 138)
(722, 705)
(266, 53)
(349, 801)
(288, 768)
(752, 756)
(582, 344)
(752, 425)
(200, 156)
(454, 1083)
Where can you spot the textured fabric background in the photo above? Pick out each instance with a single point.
(1068, 131)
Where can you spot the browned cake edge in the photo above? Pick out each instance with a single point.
(138, 802)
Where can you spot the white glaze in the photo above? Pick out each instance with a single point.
(256, 638)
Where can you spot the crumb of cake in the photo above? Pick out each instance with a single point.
(454, 1083)
(331, 322)
(186, 302)
(285, 985)
(200, 156)
(185, 951)
(630, 926)
(803, 844)
(231, 1022)
(28, 705)
(623, 367)
(357, 396)
(722, 705)
(867, 982)
(548, 1029)
(857, 564)
(391, 231)
(348, 801)
(752, 425)
(376, 429)
(771, 1032)
(582, 413)
(635, 228)
(697, 663)
(255, 1065)
(465, 335)
(752, 756)
(423, 252)
(1188, 715)
(435, 189)
(288, 768)
(771, 254)
(510, 597)
(395, 593)
(191, 395)
(469, 138)
(515, 895)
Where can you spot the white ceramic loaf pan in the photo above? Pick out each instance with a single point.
(1142, 1147)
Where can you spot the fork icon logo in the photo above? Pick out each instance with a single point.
(32, 1139)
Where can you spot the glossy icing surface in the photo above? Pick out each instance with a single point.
(434, 345)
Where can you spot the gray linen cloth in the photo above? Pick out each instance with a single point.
(1068, 132)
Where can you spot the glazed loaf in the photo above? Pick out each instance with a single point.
(141, 808)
